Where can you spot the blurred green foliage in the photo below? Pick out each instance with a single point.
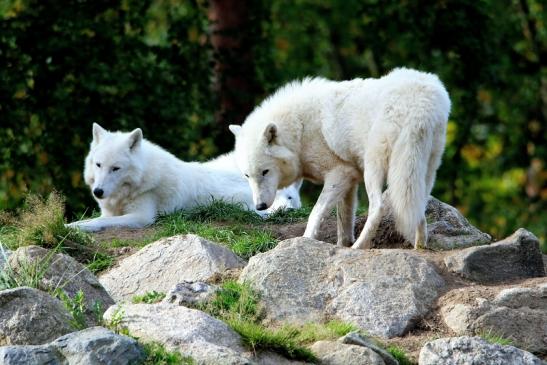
(147, 63)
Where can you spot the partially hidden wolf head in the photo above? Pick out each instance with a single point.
(265, 161)
(113, 165)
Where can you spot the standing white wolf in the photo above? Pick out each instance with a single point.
(392, 128)
(134, 180)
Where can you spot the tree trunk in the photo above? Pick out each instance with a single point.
(233, 34)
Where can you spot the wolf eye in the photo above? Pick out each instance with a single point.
(290, 198)
(98, 164)
(265, 172)
(247, 176)
(115, 168)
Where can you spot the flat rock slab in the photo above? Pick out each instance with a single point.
(518, 314)
(518, 256)
(91, 346)
(164, 263)
(191, 332)
(62, 271)
(337, 353)
(473, 350)
(384, 292)
(31, 317)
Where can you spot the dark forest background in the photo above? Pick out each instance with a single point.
(184, 70)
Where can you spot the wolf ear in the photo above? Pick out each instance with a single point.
(98, 132)
(235, 129)
(270, 133)
(135, 139)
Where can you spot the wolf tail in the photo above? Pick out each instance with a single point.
(414, 160)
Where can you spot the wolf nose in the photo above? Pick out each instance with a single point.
(98, 193)
(261, 206)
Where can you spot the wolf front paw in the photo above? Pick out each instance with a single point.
(85, 226)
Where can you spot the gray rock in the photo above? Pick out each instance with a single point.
(191, 332)
(165, 263)
(97, 345)
(473, 350)
(337, 353)
(517, 256)
(31, 317)
(383, 292)
(190, 293)
(91, 346)
(65, 273)
(36, 355)
(354, 338)
(519, 314)
(447, 228)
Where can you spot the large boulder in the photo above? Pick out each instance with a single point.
(189, 331)
(473, 350)
(518, 313)
(91, 346)
(517, 256)
(61, 271)
(31, 317)
(337, 353)
(384, 292)
(167, 262)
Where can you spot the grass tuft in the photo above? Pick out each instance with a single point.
(495, 338)
(28, 273)
(156, 354)
(150, 297)
(399, 354)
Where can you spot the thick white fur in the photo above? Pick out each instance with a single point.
(390, 129)
(151, 181)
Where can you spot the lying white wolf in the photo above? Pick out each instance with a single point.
(134, 180)
(392, 128)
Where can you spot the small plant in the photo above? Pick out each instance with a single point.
(100, 261)
(312, 332)
(156, 354)
(495, 338)
(115, 323)
(76, 307)
(286, 216)
(149, 297)
(399, 355)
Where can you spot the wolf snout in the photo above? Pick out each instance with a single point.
(98, 192)
(261, 206)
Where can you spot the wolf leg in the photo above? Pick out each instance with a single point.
(337, 183)
(345, 217)
(374, 181)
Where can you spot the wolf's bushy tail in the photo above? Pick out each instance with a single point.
(406, 178)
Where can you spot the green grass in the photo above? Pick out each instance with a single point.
(399, 354)
(28, 273)
(313, 332)
(148, 298)
(495, 338)
(156, 354)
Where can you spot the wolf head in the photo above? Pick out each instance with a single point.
(113, 163)
(265, 161)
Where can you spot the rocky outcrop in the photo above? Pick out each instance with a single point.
(189, 331)
(91, 346)
(31, 317)
(62, 272)
(384, 292)
(473, 350)
(518, 314)
(168, 262)
(517, 256)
